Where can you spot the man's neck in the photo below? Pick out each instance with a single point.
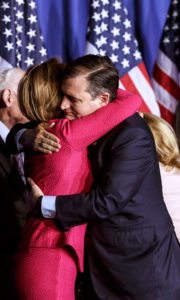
(7, 120)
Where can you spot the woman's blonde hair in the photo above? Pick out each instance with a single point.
(39, 91)
(165, 141)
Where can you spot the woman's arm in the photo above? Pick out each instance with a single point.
(83, 131)
(80, 132)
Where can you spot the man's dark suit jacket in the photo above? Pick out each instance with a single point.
(11, 189)
(132, 248)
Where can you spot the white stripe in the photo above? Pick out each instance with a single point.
(164, 98)
(121, 86)
(168, 67)
(144, 89)
(91, 49)
(4, 64)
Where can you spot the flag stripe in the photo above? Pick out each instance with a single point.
(4, 63)
(166, 114)
(164, 98)
(91, 49)
(144, 89)
(129, 85)
(166, 82)
(166, 70)
(144, 71)
(167, 65)
(121, 86)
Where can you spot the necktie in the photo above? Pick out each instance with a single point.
(19, 163)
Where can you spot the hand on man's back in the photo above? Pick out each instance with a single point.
(40, 140)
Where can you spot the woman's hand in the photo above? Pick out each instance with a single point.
(40, 140)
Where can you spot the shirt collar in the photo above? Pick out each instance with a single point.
(4, 130)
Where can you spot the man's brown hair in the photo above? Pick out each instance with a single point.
(101, 74)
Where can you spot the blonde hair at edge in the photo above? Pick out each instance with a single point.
(165, 141)
(39, 91)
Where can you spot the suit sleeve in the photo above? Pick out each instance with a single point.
(11, 140)
(82, 132)
(131, 158)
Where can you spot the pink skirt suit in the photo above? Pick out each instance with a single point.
(47, 260)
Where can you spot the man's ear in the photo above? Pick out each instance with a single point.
(6, 100)
(104, 98)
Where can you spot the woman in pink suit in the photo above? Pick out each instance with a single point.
(48, 260)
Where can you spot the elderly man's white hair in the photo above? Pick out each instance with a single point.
(10, 77)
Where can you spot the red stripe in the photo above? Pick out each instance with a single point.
(129, 85)
(166, 82)
(166, 114)
(142, 67)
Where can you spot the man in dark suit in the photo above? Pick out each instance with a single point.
(11, 186)
(132, 250)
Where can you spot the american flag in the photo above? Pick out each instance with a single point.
(166, 77)
(111, 33)
(21, 40)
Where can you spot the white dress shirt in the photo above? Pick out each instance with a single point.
(48, 207)
(4, 130)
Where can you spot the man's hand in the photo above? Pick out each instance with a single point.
(40, 140)
(34, 192)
